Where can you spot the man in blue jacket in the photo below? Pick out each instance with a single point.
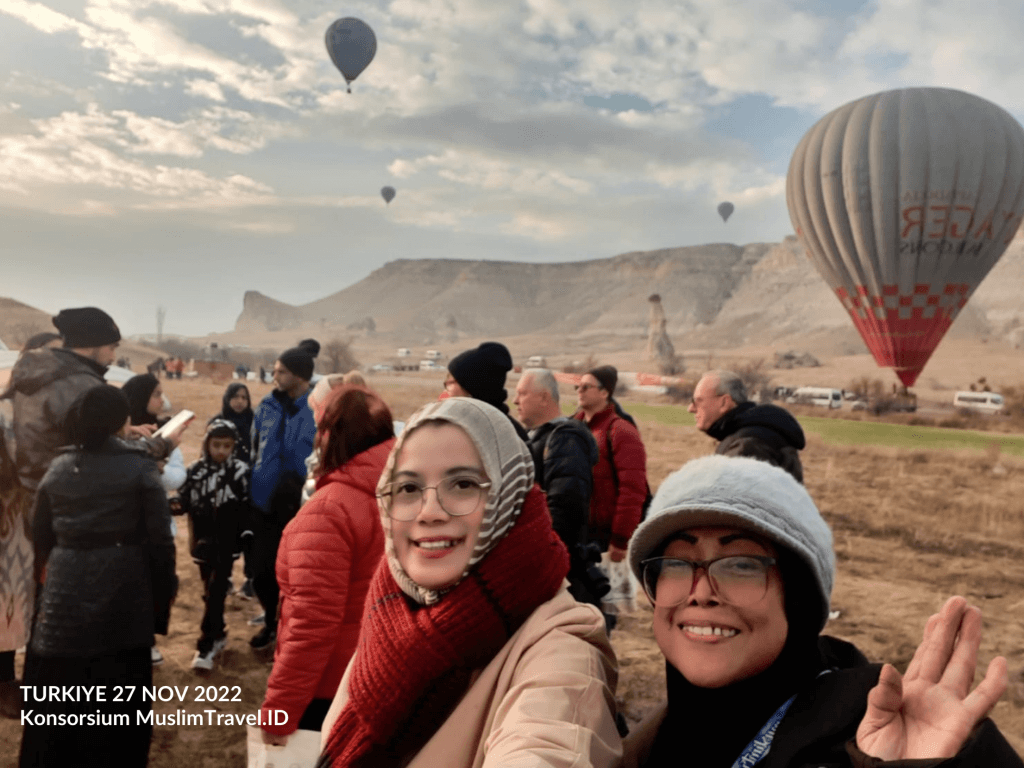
(283, 429)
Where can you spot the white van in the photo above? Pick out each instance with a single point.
(983, 402)
(404, 352)
(433, 354)
(430, 365)
(537, 361)
(827, 398)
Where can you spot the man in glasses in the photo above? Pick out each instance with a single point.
(620, 475)
(766, 432)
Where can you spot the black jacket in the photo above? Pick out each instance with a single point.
(564, 453)
(765, 432)
(103, 531)
(819, 729)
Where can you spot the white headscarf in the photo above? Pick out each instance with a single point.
(506, 461)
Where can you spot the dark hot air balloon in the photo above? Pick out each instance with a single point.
(351, 45)
(725, 210)
(904, 201)
(388, 193)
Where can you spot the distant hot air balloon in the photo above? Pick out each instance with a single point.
(388, 193)
(904, 201)
(725, 210)
(351, 45)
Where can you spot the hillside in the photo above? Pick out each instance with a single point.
(717, 295)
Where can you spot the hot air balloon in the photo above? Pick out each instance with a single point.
(904, 201)
(351, 45)
(725, 210)
(388, 193)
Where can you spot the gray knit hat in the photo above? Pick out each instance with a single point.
(745, 493)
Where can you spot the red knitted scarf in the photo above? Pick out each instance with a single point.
(414, 662)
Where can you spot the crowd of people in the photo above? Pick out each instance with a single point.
(441, 591)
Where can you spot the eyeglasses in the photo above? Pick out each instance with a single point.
(403, 500)
(738, 580)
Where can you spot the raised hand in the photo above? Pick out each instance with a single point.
(930, 711)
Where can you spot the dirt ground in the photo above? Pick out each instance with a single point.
(911, 528)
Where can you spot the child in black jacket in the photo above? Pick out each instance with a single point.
(215, 496)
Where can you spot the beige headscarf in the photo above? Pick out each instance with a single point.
(506, 461)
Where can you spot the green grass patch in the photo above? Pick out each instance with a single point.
(849, 432)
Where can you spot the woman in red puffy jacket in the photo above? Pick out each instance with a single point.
(327, 555)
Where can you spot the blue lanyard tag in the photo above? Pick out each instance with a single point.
(755, 751)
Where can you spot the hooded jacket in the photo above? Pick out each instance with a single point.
(765, 432)
(327, 556)
(45, 383)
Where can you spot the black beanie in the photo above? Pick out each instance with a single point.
(86, 327)
(607, 375)
(96, 415)
(298, 361)
(481, 372)
(310, 345)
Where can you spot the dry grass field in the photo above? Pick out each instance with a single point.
(911, 527)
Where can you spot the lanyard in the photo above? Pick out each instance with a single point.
(755, 751)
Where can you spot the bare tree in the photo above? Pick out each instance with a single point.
(338, 355)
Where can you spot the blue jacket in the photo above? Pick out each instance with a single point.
(282, 435)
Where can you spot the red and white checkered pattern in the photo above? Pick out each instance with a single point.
(902, 330)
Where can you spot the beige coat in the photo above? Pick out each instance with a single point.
(547, 699)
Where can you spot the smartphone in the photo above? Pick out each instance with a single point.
(182, 417)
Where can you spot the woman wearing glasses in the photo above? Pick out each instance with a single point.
(738, 564)
(472, 651)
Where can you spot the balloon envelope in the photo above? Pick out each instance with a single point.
(725, 210)
(388, 193)
(904, 201)
(351, 45)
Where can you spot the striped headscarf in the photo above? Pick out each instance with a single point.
(506, 461)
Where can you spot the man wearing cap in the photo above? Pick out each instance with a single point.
(283, 429)
(743, 428)
(46, 382)
(480, 373)
(620, 475)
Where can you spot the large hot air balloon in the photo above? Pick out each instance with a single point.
(388, 193)
(904, 201)
(725, 210)
(351, 45)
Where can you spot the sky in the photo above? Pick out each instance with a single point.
(178, 153)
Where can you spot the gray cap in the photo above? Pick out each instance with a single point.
(745, 493)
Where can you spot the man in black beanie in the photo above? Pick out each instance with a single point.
(45, 383)
(480, 373)
(283, 429)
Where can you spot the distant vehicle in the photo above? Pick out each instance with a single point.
(404, 352)
(982, 402)
(537, 361)
(430, 365)
(826, 398)
(381, 368)
(433, 354)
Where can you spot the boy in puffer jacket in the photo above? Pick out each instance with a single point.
(215, 496)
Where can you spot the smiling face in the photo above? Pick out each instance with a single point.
(434, 548)
(711, 643)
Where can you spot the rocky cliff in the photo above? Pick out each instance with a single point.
(714, 295)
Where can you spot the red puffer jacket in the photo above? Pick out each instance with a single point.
(615, 513)
(327, 556)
